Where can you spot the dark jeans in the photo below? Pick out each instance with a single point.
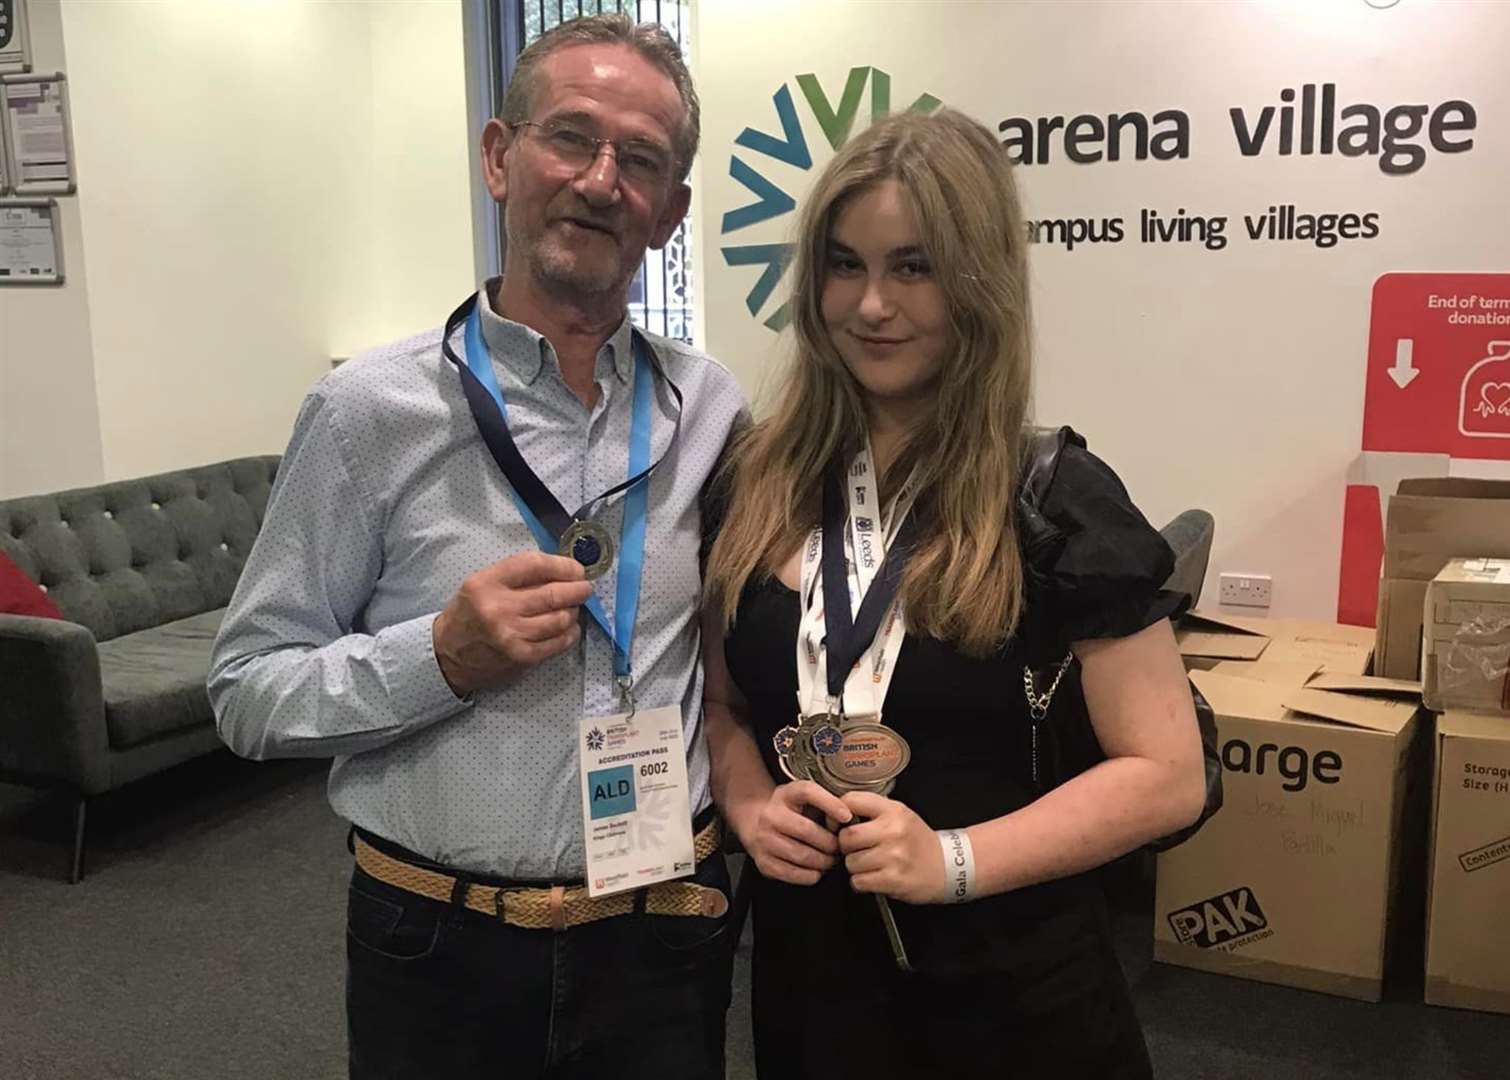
(434, 991)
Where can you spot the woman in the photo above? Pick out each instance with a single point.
(911, 382)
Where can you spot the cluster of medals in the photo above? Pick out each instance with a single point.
(847, 646)
(843, 754)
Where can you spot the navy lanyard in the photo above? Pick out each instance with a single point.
(847, 637)
(537, 506)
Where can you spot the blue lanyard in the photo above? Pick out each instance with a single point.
(632, 532)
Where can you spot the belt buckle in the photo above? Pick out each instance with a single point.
(556, 910)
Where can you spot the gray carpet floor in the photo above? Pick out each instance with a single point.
(207, 941)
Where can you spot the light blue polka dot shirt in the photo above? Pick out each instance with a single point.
(385, 500)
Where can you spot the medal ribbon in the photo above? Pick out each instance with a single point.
(849, 640)
(539, 508)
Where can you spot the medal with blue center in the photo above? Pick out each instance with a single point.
(794, 749)
(589, 544)
(827, 740)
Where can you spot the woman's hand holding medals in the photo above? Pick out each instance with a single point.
(891, 851)
(786, 842)
(887, 848)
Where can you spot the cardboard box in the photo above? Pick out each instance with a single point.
(1465, 649)
(1336, 649)
(1207, 639)
(1298, 878)
(1467, 948)
(1397, 641)
(1431, 521)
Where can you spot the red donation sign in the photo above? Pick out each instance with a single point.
(1439, 365)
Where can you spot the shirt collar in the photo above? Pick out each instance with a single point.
(524, 350)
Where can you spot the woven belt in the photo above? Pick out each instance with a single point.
(556, 907)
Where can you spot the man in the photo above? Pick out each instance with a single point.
(404, 611)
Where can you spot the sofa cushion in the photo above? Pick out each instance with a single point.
(20, 595)
(154, 679)
(127, 555)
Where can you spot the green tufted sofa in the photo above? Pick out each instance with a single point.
(142, 571)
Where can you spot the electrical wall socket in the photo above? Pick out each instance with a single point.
(1247, 590)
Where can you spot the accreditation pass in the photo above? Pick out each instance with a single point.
(636, 818)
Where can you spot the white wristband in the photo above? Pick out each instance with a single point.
(959, 865)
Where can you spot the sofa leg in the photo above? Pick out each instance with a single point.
(76, 872)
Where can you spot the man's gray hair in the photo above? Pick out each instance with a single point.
(649, 40)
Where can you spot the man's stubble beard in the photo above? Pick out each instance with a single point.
(559, 273)
(562, 277)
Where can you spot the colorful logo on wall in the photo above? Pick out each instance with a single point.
(772, 202)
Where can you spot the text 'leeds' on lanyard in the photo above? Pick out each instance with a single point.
(541, 510)
(847, 635)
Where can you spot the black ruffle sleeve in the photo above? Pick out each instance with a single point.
(1102, 575)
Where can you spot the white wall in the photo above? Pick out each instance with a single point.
(422, 159)
(263, 185)
(1229, 379)
(49, 414)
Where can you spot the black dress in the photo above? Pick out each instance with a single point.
(1023, 984)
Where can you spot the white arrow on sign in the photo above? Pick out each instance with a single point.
(1404, 372)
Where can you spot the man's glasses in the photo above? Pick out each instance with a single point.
(642, 163)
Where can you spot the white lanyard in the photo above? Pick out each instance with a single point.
(868, 535)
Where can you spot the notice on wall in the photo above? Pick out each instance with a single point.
(36, 132)
(1439, 365)
(15, 37)
(31, 246)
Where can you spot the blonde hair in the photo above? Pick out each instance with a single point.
(963, 582)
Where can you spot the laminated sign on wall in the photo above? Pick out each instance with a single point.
(31, 247)
(15, 37)
(36, 128)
